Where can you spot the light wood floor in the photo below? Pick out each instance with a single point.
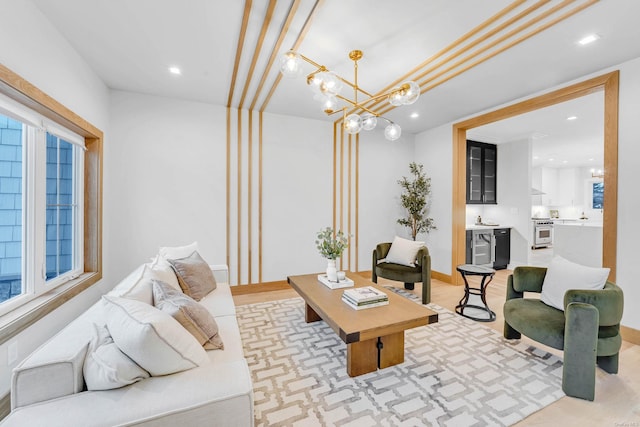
(617, 401)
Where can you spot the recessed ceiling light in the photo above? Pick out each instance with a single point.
(591, 160)
(551, 160)
(175, 70)
(588, 39)
(572, 117)
(415, 115)
(565, 161)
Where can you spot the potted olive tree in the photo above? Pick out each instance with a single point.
(415, 200)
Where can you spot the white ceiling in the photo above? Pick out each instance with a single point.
(556, 141)
(131, 43)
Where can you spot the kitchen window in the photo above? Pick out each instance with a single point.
(41, 190)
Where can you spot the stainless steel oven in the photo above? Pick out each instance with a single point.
(542, 233)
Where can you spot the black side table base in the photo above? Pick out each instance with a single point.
(474, 270)
(460, 311)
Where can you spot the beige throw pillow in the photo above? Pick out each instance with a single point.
(194, 275)
(192, 315)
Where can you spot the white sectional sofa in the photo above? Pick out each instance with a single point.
(48, 387)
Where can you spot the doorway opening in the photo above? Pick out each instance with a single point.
(609, 84)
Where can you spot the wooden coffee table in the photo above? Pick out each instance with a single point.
(374, 336)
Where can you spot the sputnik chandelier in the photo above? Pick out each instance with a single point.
(327, 85)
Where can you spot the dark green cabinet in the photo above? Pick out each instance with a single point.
(482, 168)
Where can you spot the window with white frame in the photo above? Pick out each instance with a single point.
(41, 200)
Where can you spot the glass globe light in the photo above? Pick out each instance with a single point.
(329, 104)
(353, 124)
(392, 132)
(369, 121)
(412, 94)
(396, 98)
(290, 64)
(329, 83)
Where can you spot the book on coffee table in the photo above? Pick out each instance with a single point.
(362, 306)
(365, 294)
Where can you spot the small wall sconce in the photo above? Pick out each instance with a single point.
(597, 174)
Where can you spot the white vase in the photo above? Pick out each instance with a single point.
(332, 272)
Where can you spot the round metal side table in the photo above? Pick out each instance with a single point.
(475, 270)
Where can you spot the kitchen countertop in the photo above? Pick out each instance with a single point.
(485, 227)
(580, 223)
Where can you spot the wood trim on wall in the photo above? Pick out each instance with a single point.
(609, 83)
(630, 335)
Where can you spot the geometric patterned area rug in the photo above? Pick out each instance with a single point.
(456, 373)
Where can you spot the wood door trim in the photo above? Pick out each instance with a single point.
(609, 83)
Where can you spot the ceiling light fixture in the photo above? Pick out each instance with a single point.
(597, 174)
(572, 117)
(415, 115)
(327, 85)
(175, 70)
(588, 39)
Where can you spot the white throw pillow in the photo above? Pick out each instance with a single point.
(176, 252)
(153, 339)
(563, 275)
(141, 289)
(403, 251)
(105, 366)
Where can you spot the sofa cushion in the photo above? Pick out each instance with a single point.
(219, 302)
(563, 275)
(105, 366)
(213, 395)
(192, 316)
(194, 275)
(403, 251)
(152, 338)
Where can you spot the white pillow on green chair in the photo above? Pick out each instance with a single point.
(563, 275)
(403, 251)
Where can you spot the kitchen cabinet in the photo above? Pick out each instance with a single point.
(502, 238)
(481, 173)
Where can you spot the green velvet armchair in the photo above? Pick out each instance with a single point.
(588, 330)
(402, 273)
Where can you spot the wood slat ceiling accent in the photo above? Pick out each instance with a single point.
(444, 70)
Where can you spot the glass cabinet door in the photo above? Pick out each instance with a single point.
(474, 175)
(481, 173)
(489, 184)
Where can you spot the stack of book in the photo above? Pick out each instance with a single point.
(365, 297)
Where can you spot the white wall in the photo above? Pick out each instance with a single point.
(434, 150)
(33, 49)
(382, 164)
(439, 140)
(164, 179)
(514, 197)
(297, 194)
(628, 200)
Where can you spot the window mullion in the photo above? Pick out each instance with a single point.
(38, 211)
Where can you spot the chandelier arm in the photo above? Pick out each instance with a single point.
(310, 61)
(356, 105)
(352, 85)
